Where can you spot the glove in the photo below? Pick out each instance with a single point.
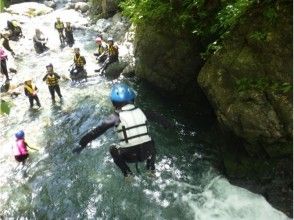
(78, 150)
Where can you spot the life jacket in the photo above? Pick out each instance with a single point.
(31, 89)
(113, 50)
(51, 80)
(20, 148)
(68, 29)
(59, 25)
(132, 129)
(79, 61)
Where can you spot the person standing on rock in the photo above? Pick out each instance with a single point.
(112, 55)
(135, 143)
(69, 35)
(30, 90)
(3, 65)
(59, 26)
(51, 79)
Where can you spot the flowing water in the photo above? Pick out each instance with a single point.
(56, 184)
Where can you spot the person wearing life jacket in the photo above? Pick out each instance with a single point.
(20, 150)
(59, 26)
(4, 38)
(112, 55)
(79, 63)
(15, 30)
(40, 42)
(130, 123)
(101, 53)
(30, 90)
(51, 79)
(3, 65)
(69, 34)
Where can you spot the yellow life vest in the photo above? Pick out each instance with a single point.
(52, 80)
(59, 25)
(100, 49)
(79, 61)
(113, 50)
(31, 89)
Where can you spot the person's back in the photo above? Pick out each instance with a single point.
(135, 143)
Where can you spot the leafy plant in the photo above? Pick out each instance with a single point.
(4, 107)
(258, 36)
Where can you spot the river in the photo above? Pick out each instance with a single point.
(56, 184)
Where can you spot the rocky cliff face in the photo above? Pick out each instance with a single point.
(249, 84)
(169, 61)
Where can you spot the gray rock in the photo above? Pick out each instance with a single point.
(50, 4)
(70, 5)
(82, 7)
(102, 25)
(115, 69)
(129, 71)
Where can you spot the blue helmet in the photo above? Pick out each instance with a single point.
(122, 93)
(20, 134)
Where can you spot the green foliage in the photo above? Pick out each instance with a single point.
(4, 107)
(195, 16)
(262, 84)
(2, 5)
(258, 36)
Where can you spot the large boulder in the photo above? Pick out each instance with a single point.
(82, 7)
(30, 9)
(249, 84)
(115, 69)
(249, 80)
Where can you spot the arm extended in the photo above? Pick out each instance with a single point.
(102, 127)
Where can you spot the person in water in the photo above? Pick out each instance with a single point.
(30, 91)
(51, 79)
(79, 63)
(59, 26)
(3, 65)
(40, 42)
(135, 143)
(14, 29)
(69, 34)
(20, 147)
(4, 37)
